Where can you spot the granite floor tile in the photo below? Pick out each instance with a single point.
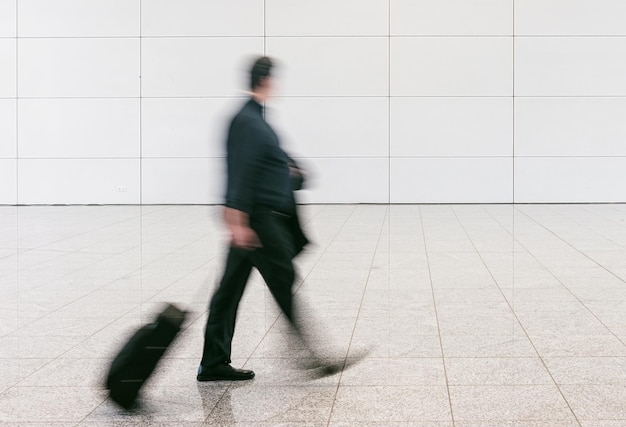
(12, 371)
(138, 423)
(477, 323)
(514, 344)
(373, 371)
(69, 373)
(497, 371)
(9, 406)
(393, 424)
(217, 423)
(523, 423)
(407, 283)
(580, 322)
(50, 404)
(587, 370)
(552, 423)
(44, 424)
(596, 402)
(578, 345)
(484, 424)
(285, 404)
(551, 294)
(62, 327)
(382, 404)
(165, 405)
(509, 403)
(468, 296)
(603, 423)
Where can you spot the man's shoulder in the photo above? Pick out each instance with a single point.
(246, 116)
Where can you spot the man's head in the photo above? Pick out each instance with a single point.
(260, 77)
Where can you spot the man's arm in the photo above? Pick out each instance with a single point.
(242, 235)
(240, 194)
(296, 174)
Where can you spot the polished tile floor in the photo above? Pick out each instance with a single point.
(473, 315)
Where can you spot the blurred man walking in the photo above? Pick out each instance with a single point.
(260, 213)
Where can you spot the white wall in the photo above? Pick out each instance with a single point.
(402, 101)
(570, 103)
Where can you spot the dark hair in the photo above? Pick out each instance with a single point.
(261, 69)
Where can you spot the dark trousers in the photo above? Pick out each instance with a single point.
(274, 262)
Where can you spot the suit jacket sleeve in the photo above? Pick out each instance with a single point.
(243, 169)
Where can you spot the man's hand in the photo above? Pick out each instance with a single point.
(242, 236)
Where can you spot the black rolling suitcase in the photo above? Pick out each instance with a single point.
(139, 356)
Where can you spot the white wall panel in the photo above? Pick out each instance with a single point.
(327, 18)
(451, 126)
(346, 181)
(451, 180)
(78, 67)
(342, 66)
(332, 127)
(78, 18)
(72, 181)
(451, 17)
(570, 17)
(187, 181)
(570, 66)
(452, 66)
(570, 126)
(8, 72)
(8, 128)
(202, 18)
(192, 127)
(78, 128)
(574, 179)
(183, 67)
(8, 182)
(8, 18)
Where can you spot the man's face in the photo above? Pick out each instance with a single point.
(269, 86)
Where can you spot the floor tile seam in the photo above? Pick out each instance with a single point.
(178, 249)
(85, 268)
(93, 410)
(613, 207)
(623, 341)
(543, 362)
(386, 219)
(55, 387)
(155, 239)
(432, 288)
(568, 244)
(60, 357)
(227, 390)
(205, 283)
(101, 329)
(508, 302)
(325, 251)
(113, 280)
(134, 217)
(585, 208)
(590, 229)
(64, 305)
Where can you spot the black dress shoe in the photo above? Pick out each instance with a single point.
(223, 372)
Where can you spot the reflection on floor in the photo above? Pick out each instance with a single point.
(474, 315)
